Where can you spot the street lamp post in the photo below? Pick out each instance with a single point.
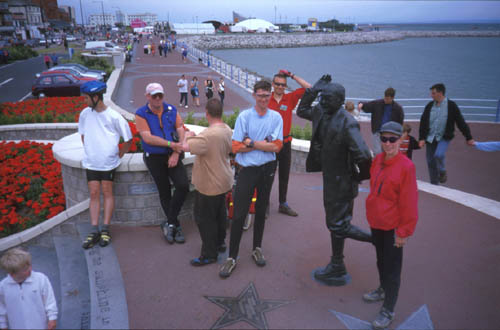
(102, 8)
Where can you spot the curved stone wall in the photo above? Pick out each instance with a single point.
(37, 131)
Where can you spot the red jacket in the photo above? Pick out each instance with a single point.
(393, 199)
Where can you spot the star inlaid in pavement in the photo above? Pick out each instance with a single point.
(246, 307)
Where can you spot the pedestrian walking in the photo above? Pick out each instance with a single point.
(46, 60)
(195, 91)
(437, 127)
(209, 87)
(182, 83)
(257, 137)
(221, 90)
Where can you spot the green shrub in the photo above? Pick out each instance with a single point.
(189, 119)
(231, 120)
(48, 117)
(203, 122)
(307, 132)
(20, 53)
(296, 132)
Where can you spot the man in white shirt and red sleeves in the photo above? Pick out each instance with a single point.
(284, 105)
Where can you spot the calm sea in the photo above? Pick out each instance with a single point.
(469, 67)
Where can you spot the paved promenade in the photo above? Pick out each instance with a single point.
(451, 264)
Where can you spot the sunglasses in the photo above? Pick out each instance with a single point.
(279, 84)
(263, 96)
(157, 96)
(391, 139)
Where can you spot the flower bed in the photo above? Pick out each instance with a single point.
(47, 110)
(31, 188)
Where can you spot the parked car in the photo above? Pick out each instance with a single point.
(102, 46)
(56, 84)
(70, 38)
(71, 72)
(77, 71)
(33, 43)
(83, 70)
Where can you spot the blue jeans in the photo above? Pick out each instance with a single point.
(435, 153)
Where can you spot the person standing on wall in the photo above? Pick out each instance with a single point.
(383, 111)
(284, 104)
(161, 129)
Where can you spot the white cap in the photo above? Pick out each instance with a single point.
(154, 88)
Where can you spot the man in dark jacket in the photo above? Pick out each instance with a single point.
(383, 111)
(437, 127)
(338, 150)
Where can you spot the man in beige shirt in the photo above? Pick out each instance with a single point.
(212, 177)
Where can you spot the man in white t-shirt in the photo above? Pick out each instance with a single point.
(101, 129)
(183, 89)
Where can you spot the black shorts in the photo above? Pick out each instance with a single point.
(100, 175)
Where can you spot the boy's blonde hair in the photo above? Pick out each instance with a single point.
(14, 260)
(349, 106)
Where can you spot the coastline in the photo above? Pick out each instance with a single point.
(286, 40)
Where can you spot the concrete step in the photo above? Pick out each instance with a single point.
(108, 303)
(74, 284)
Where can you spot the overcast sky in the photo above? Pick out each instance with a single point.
(298, 11)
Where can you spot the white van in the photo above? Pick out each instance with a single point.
(109, 45)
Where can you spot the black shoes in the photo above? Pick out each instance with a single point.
(105, 238)
(91, 240)
(202, 261)
(285, 209)
(332, 271)
(375, 295)
(443, 177)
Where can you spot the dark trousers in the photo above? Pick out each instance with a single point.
(162, 174)
(389, 265)
(249, 179)
(210, 215)
(435, 153)
(221, 95)
(184, 96)
(284, 159)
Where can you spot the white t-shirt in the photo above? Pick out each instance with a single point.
(183, 85)
(29, 305)
(102, 132)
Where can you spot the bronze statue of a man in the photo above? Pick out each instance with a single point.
(338, 150)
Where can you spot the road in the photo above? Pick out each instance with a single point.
(16, 79)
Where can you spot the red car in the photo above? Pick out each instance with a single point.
(56, 84)
(71, 72)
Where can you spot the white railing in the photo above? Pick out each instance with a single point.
(472, 109)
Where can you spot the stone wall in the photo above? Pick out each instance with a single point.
(49, 132)
(136, 198)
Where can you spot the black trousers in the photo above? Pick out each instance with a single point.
(162, 174)
(249, 179)
(389, 265)
(184, 96)
(210, 214)
(221, 95)
(284, 159)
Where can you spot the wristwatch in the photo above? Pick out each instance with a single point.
(251, 144)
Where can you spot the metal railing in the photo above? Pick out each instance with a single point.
(472, 109)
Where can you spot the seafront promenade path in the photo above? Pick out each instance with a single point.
(451, 264)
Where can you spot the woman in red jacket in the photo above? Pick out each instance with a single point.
(391, 210)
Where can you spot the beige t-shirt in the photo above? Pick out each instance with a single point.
(212, 173)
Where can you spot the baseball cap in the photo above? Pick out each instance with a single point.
(392, 127)
(154, 88)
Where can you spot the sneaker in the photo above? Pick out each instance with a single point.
(443, 177)
(258, 257)
(383, 319)
(285, 209)
(105, 238)
(222, 248)
(91, 240)
(202, 261)
(227, 268)
(169, 233)
(179, 236)
(375, 295)
(248, 222)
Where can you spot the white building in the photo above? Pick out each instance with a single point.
(193, 28)
(254, 24)
(99, 20)
(148, 18)
(121, 18)
(26, 19)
